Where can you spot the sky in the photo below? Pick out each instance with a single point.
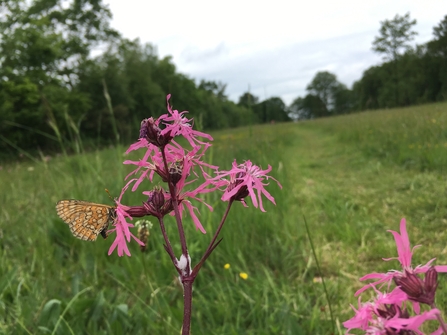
(269, 48)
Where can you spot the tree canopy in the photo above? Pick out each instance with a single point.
(394, 36)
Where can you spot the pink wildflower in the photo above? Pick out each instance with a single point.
(244, 179)
(152, 162)
(405, 254)
(176, 125)
(121, 227)
(384, 316)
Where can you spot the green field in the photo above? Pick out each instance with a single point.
(353, 177)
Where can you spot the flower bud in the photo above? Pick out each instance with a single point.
(152, 133)
(417, 289)
(431, 283)
(158, 198)
(155, 201)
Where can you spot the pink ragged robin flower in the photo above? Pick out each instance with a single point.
(176, 124)
(367, 313)
(405, 254)
(121, 227)
(244, 179)
(176, 156)
(384, 316)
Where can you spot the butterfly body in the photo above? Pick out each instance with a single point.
(86, 219)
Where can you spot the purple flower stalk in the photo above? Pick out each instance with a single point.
(176, 165)
(178, 168)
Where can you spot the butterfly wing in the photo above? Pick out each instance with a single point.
(86, 219)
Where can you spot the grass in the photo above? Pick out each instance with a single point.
(342, 174)
(413, 137)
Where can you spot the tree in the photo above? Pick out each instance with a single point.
(421, 75)
(218, 89)
(366, 90)
(273, 109)
(44, 39)
(41, 44)
(394, 36)
(127, 68)
(247, 100)
(309, 107)
(330, 91)
(297, 112)
(438, 46)
(342, 100)
(438, 49)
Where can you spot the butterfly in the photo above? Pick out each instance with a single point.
(86, 219)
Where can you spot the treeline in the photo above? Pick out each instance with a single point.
(54, 95)
(408, 75)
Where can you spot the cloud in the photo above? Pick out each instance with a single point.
(194, 54)
(282, 71)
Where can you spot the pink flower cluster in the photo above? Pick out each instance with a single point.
(180, 168)
(388, 313)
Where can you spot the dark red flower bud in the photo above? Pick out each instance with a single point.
(417, 289)
(411, 284)
(159, 203)
(152, 133)
(136, 211)
(431, 283)
(158, 198)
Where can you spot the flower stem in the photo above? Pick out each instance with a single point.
(187, 305)
(167, 245)
(213, 243)
(173, 191)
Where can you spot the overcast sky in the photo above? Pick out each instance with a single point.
(272, 47)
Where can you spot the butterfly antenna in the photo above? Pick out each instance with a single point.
(110, 196)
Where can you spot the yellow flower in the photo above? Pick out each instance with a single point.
(243, 275)
(226, 266)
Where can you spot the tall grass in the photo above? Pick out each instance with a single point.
(52, 283)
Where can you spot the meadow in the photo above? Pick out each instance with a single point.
(351, 177)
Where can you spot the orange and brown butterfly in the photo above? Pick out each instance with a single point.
(86, 219)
